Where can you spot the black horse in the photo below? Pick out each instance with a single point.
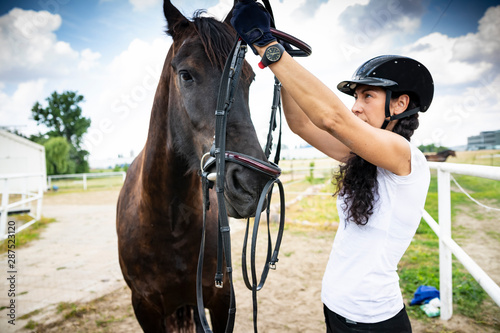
(442, 156)
(159, 213)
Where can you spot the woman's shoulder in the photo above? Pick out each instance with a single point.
(419, 167)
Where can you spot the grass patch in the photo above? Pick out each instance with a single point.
(493, 234)
(316, 209)
(27, 235)
(72, 310)
(420, 263)
(30, 314)
(31, 325)
(483, 157)
(76, 184)
(106, 321)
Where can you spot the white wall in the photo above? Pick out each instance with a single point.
(21, 156)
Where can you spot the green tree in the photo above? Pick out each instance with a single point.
(57, 156)
(63, 118)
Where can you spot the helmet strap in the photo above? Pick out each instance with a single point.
(388, 96)
(405, 114)
(388, 117)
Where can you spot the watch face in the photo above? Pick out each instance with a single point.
(273, 53)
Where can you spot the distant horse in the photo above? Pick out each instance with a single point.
(159, 213)
(441, 156)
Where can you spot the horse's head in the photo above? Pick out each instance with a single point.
(193, 70)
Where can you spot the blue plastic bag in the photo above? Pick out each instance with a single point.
(424, 294)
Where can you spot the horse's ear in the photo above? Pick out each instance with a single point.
(175, 20)
(230, 14)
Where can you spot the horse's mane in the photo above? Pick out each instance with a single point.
(217, 38)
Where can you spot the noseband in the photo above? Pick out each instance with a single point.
(218, 156)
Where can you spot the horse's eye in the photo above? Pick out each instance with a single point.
(185, 76)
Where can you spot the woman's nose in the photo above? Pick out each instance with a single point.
(356, 108)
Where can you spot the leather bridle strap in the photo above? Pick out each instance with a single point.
(229, 81)
(227, 88)
(219, 156)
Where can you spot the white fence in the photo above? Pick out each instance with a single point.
(85, 176)
(447, 245)
(25, 197)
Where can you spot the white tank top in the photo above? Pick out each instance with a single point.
(361, 281)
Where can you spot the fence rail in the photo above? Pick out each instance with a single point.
(85, 176)
(26, 197)
(447, 246)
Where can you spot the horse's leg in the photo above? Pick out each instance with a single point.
(197, 321)
(219, 313)
(148, 317)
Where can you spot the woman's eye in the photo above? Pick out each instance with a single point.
(185, 76)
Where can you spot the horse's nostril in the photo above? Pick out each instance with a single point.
(237, 179)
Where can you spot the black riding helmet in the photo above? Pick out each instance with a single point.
(396, 74)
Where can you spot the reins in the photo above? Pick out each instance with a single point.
(219, 156)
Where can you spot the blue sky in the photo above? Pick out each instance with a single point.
(111, 51)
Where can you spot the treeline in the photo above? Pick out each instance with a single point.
(432, 148)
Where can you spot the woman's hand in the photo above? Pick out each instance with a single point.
(253, 23)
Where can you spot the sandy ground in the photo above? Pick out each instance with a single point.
(76, 261)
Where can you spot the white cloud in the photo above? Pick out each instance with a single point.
(119, 94)
(466, 71)
(438, 53)
(30, 49)
(463, 59)
(16, 109)
(377, 17)
(144, 4)
(483, 45)
(120, 105)
(221, 9)
(88, 59)
(456, 115)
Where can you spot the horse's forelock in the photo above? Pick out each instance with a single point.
(217, 38)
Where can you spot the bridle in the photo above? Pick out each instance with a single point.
(218, 156)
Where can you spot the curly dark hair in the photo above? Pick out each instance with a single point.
(357, 182)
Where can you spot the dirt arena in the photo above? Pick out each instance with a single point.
(76, 262)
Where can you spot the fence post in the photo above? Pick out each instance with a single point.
(39, 201)
(445, 258)
(84, 181)
(4, 210)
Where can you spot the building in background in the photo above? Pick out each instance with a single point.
(485, 140)
(23, 179)
(21, 156)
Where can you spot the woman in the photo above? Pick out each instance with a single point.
(383, 181)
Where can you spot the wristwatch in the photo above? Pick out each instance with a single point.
(272, 54)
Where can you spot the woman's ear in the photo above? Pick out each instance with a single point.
(400, 104)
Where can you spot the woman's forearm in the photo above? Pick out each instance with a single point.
(313, 97)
